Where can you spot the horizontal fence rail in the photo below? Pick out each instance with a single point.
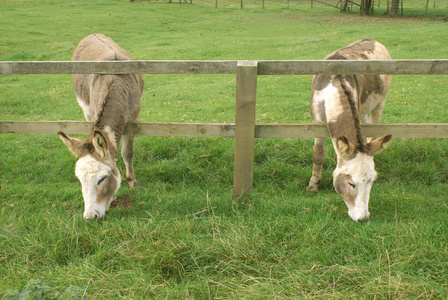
(244, 130)
(118, 67)
(227, 130)
(290, 67)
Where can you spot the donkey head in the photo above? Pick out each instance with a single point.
(96, 170)
(355, 174)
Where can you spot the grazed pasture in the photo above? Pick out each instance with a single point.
(180, 234)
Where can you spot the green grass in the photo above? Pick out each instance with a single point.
(182, 235)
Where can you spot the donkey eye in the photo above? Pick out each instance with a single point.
(101, 180)
(352, 185)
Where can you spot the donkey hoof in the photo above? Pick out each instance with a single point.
(312, 188)
(133, 183)
(313, 185)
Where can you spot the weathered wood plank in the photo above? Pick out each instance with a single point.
(45, 127)
(393, 67)
(118, 67)
(140, 128)
(403, 130)
(182, 129)
(290, 131)
(293, 67)
(246, 91)
(408, 130)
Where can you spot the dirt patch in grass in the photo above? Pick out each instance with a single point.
(124, 202)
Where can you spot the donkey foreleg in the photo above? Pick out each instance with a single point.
(376, 113)
(127, 152)
(318, 160)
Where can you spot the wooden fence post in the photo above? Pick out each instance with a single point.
(246, 90)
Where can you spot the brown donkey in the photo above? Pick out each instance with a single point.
(342, 103)
(110, 102)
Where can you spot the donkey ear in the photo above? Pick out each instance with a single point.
(99, 141)
(376, 145)
(73, 144)
(345, 148)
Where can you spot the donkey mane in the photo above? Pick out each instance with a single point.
(105, 97)
(360, 147)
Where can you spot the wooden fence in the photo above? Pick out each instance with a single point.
(244, 130)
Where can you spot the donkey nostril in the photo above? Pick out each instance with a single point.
(365, 217)
(97, 215)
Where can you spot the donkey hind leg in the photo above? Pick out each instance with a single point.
(127, 152)
(318, 160)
